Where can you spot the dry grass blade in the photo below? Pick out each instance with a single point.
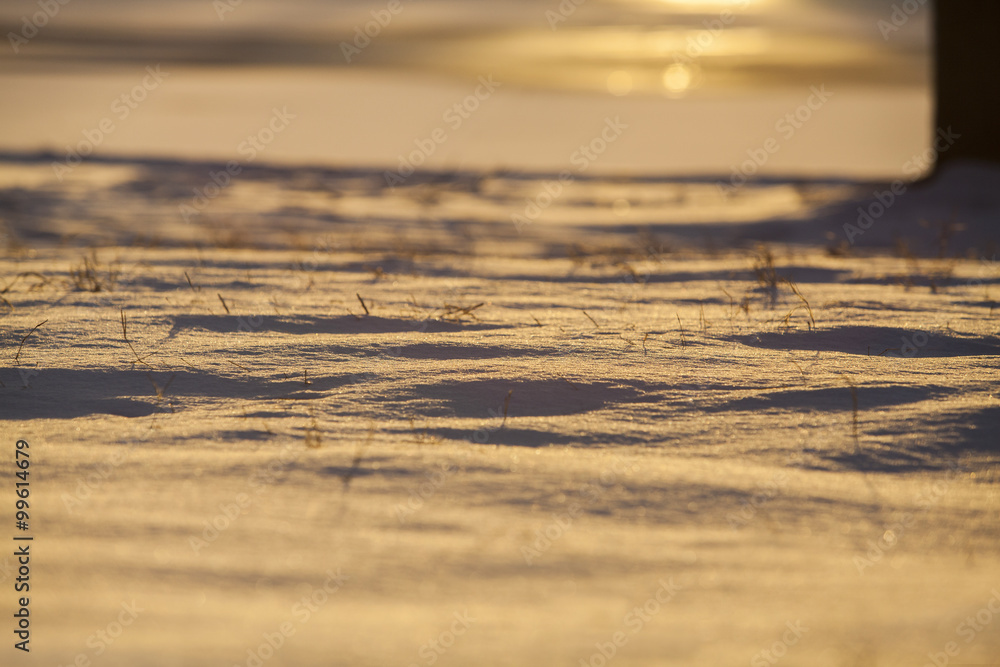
(189, 365)
(854, 411)
(506, 406)
(17, 357)
(732, 310)
(596, 325)
(313, 437)
(796, 292)
(161, 391)
(456, 313)
(25, 274)
(223, 302)
(138, 359)
(362, 303)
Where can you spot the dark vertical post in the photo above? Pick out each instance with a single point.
(967, 73)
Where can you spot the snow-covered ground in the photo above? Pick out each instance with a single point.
(644, 424)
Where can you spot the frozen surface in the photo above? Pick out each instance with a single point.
(618, 375)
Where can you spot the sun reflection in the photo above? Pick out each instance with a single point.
(619, 83)
(668, 54)
(678, 78)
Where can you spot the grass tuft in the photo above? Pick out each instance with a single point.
(767, 274)
(92, 276)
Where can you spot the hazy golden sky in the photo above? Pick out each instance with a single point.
(701, 81)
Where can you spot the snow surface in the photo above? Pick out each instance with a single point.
(537, 430)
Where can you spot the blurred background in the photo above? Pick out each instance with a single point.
(701, 85)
